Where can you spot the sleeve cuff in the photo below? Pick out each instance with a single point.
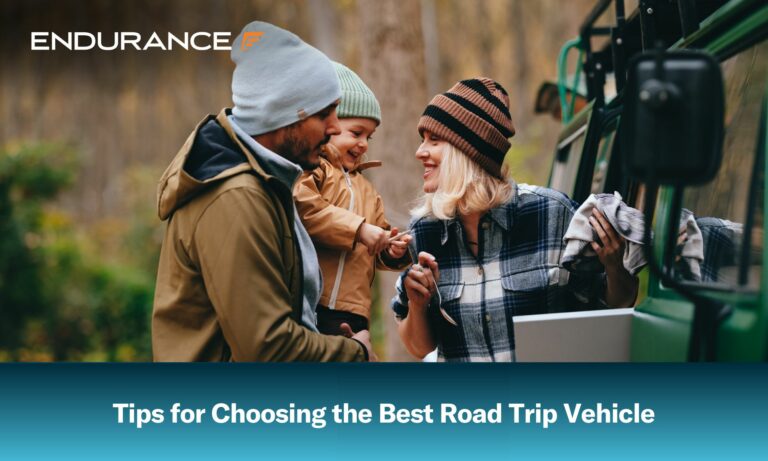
(400, 301)
(365, 349)
(386, 261)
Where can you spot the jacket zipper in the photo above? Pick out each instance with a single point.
(343, 255)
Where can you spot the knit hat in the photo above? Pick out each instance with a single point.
(357, 100)
(473, 116)
(278, 79)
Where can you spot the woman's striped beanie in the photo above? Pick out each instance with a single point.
(474, 117)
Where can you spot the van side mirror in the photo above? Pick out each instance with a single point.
(672, 131)
(672, 135)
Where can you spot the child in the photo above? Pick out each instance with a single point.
(344, 214)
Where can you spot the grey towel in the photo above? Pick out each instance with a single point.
(629, 223)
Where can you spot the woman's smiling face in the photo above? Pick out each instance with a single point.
(430, 153)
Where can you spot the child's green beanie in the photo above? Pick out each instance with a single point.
(357, 100)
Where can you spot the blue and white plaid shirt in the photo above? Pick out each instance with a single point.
(516, 272)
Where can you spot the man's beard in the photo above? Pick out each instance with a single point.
(297, 150)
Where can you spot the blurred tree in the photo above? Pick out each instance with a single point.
(431, 45)
(324, 25)
(392, 52)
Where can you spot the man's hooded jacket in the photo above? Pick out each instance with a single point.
(229, 283)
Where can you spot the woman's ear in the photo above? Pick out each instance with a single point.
(333, 155)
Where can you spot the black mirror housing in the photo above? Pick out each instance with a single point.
(672, 124)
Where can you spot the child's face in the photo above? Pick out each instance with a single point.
(353, 140)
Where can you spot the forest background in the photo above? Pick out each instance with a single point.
(86, 135)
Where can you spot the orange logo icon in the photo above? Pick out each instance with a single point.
(249, 38)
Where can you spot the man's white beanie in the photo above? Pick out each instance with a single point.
(278, 79)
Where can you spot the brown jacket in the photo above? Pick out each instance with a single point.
(229, 279)
(324, 199)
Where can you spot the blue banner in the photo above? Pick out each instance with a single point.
(386, 411)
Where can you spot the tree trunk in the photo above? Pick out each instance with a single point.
(323, 20)
(485, 39)
(431, 45)
(521, 108)
(393, 66)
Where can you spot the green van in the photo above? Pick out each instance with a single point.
(700, 155)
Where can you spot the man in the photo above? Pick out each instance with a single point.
(238, 277)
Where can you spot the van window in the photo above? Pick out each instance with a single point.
(721, 209)
(603, 161)
(565, 171)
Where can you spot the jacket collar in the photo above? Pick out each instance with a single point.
(273, 164)
(365, 165)
(223, 119)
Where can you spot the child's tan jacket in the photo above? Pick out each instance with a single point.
(333, 204)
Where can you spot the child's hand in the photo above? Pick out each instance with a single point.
(373, 237)
(398, 246)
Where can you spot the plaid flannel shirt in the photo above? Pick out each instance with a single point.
(516, 272)
(722, 242)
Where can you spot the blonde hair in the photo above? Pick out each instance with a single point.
(463, 187)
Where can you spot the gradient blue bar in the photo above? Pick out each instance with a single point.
(64, 411)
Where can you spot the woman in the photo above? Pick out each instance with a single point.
(497, 244)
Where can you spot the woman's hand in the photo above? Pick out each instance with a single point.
(611, 253)
(621, 286)
(420, 283)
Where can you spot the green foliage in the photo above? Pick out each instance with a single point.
(64, 294)
(379, 308)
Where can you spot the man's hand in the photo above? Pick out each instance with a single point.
(398, 246)
(363, 336)
(373, 237)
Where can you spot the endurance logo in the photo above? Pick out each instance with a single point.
(249, 38)
(84, 41)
